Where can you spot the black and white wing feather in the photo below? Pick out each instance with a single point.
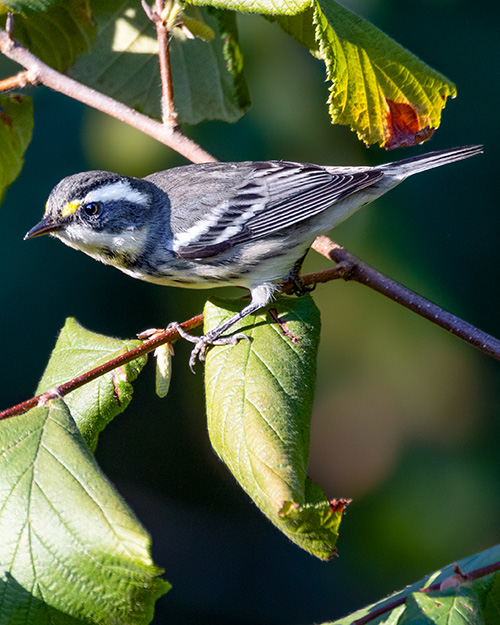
(269, 197)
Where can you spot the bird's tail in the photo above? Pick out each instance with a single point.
(416, 164)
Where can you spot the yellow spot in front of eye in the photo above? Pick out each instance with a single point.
(69, 208)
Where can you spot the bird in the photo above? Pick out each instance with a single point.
(213, 224)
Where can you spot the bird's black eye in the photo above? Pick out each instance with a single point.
(92, 208)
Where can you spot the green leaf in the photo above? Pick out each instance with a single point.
(71, 550)
(95, 404)
(456, 606)
(29, 6)
(16, 127)
(259, 402)
(380, 89)
(208, 77)
(471, 602)
(266, 7)
(59, 35)
(491, 611)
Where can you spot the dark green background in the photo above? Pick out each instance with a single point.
(406, 416)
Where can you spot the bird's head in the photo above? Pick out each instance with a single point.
(100, 213)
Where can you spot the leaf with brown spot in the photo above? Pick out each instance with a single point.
(381, 90)
(404, 126)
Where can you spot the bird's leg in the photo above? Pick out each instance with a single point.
(213, 337)
(299, 288)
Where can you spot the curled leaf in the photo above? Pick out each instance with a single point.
(259, 403)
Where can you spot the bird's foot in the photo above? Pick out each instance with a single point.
(300, 288)
(202, 342)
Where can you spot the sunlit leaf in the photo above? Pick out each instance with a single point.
(71, 551)
(266, 7)
(163, 355)
(259, 402)
(455, 606)
(95, 404)
(380, 89)
(208, 78)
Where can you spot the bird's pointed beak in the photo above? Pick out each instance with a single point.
(45, 226)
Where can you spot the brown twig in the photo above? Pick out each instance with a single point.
(159, 338)
(353, 268)
(40, 73)
(19, 81)
(169, 114)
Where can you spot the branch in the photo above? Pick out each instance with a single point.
(460, 577)
(41, 74)
(159, 338)
(354, 269)
(348, 267)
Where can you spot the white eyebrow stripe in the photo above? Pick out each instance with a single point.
(116, 191)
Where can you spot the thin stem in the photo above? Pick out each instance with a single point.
(40, 73)
(169, 114)
(19, 81)
(354, 269)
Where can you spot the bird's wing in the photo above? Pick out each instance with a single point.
(274, 197)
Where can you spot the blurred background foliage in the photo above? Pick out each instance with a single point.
(405, 419)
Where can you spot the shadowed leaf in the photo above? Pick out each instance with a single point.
(71, 551)
(208, 78)
(16, 127)
(58, 35)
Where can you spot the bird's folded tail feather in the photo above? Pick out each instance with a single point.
(416, 164)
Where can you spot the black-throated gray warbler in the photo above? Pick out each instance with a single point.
(217, 224)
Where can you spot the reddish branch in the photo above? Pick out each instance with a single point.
(159, 338)
(460, 578)
(348, 267)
